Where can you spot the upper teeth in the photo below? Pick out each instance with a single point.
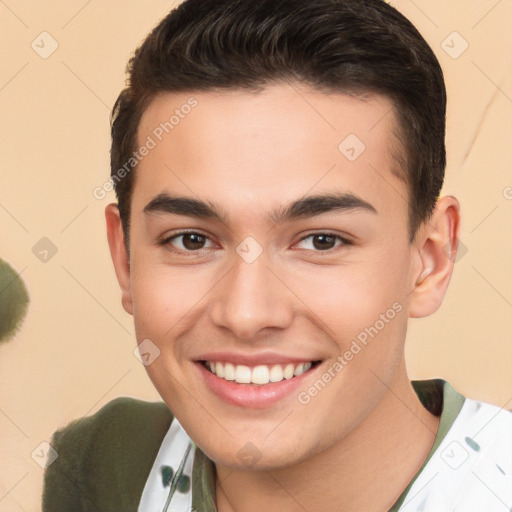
(261, 374)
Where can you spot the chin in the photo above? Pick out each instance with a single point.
(249, 458)
(242, 455)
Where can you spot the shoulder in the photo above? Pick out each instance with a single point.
(471, 470)
(111, 449)
(122, 420)
(489, 424)
(476, 458)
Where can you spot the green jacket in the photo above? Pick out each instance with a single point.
(105, 459)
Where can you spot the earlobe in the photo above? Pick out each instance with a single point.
(436, 248)
(119, 255)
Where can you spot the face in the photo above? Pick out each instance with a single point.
(267, 241)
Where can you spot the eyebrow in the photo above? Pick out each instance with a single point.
(304, 207)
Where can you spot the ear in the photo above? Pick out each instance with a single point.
(119, 254)
(436, 248)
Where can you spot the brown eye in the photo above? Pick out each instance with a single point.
(193, 241)
(187, 242)
(323, 242)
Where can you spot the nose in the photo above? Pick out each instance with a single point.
(250, 298)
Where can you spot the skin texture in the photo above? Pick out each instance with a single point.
(359, 441)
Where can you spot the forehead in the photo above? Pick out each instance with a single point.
(250, 150)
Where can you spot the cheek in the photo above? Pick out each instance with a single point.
(165, 304)
(162, 299)
(346, 299)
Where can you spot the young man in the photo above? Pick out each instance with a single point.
(278, 166)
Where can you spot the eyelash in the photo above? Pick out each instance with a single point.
(166, 242)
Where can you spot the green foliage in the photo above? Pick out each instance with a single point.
(14, 301)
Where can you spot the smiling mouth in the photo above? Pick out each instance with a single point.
(260, 374)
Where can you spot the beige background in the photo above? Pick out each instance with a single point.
(75, 350)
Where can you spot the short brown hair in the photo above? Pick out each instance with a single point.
(346, 46)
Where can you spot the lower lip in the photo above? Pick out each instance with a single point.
(252, 396)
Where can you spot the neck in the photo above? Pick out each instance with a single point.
(366, 470)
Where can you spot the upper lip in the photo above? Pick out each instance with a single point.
(264, 358)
